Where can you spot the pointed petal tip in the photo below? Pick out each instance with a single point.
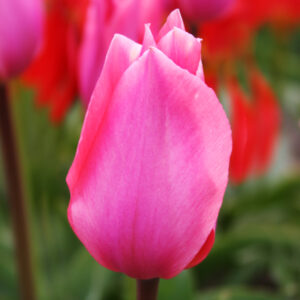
(148, 40)
(175, 16)
(173, 20)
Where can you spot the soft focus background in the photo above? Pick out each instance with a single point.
(256, 255)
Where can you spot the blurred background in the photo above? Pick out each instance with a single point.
(251, 58)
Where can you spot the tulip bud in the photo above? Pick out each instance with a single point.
(204, 10)
(151, 166)
(20, 34)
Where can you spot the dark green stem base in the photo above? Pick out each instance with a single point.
(147, 289)
(16, 197)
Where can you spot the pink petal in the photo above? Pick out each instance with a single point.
(121, 53)
(184, 49)
(174, 20)
(92, 51)
(204, 250)
(104, 19)
(151, 186)
(21, 24)
(148, 39)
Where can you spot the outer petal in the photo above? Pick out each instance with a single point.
(20, 34)
(150, 190)
(204, 250)
(120, 55)
(184, 49)
(174, 20)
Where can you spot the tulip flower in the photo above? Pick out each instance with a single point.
(151, 166)
(20, 35)
(104, 19)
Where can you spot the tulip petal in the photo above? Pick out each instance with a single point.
(204, 250)
(92, 54)
(184, 49)
(267, 120)
(149, 40)
(174, 20)
(120, 55)
(150, 189)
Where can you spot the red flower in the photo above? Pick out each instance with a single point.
(53, 72)
(255, 127)
(242, 120)
(267, 120)
(284, 13)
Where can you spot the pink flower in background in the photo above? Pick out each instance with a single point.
(104, 19)
(151, 166)
(20, 34)
(199, 11)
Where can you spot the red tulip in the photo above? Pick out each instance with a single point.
(54, 72)
(267, 120)
(243, 133)
(20, 35)
(255, 126)
(151, 166)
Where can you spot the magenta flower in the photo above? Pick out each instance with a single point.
(20, 34)
(204, 10)
(151, 166)
(104, 19)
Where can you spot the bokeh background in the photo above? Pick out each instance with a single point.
(256, 255)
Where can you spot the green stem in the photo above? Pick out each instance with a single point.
(147, 289)
(16, 196)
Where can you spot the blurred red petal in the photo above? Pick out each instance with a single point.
(53, 72)
(267, 120)
(243, 133)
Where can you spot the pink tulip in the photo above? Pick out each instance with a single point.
(20, 34)
(151, 166)
(104, 19)
(204, 10)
